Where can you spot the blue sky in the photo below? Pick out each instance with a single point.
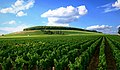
(100, 15)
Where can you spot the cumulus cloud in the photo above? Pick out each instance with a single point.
(13, 29)
(116, 4)
(18, 7)
(10, 22)
(111, 6)
(101, 28)
(21, 13)
(57, 24)
(118, 26)
(64, 15)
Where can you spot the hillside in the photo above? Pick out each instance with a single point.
(55, 28)
(51, 30)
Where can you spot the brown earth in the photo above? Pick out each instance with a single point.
(0, 67)
(95, 59)
(111, 64)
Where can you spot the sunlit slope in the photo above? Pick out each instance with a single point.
(39, 32)
(52, 30)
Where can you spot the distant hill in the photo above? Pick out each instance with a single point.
(56, 28)
(51, 30)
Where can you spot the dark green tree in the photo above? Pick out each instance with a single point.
(119, 30)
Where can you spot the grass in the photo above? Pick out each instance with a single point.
(40, 33)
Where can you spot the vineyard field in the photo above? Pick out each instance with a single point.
(62, 52)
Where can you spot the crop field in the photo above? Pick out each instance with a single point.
(62, 52)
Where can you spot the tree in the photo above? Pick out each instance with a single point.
(2, 35)
(119, 30)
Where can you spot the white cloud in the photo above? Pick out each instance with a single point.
(106, 5)
(57, 24)
(18, 7)
(7, 10)
(101, 28)
(10, 22)
(64, 15)
(110, 10)
(82, 10)
(116, 4)
(13, 29)
(21, 13)
(118, 26)
(111, 6)
(19, 3)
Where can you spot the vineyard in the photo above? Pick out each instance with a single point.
(80, 52)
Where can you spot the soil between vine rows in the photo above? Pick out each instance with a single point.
(95, 59)
(0, 67)
(111, 64)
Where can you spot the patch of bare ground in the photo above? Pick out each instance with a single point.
(95, 59)
(0, 67)
(111, 64)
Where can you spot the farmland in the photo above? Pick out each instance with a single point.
(59, 50)
(67, 52)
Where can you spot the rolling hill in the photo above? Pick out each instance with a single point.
(52, 30)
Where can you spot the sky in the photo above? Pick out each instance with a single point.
(100, 15)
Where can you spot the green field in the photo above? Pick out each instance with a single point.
(38, 32)
(73, 50)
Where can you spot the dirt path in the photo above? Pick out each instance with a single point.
(95, 59)
(0, 67)
(111, 65)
